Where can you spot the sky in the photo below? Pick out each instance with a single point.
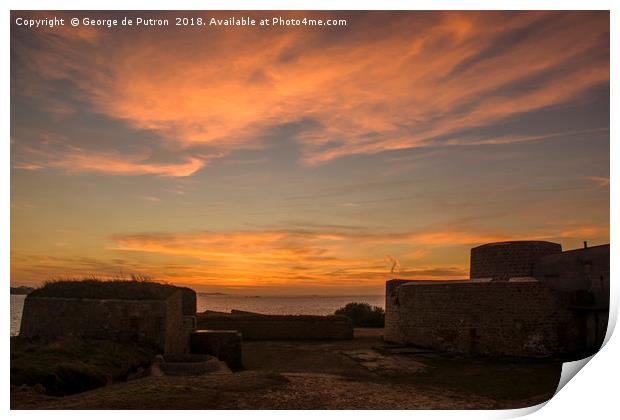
(304, 160)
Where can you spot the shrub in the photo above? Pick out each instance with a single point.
(363, 315)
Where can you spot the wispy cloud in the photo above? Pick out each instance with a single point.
(511, 138)
(74, 160)
(432, 75)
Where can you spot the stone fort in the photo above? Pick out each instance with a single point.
(523, 298)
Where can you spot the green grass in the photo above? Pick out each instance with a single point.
(69, 366)
(135, 289)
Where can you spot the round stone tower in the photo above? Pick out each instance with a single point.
(502, 261)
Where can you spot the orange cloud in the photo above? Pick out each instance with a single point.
(79, 160)
(368, 90)
(293, 258)
(284, 256)
(253, 257)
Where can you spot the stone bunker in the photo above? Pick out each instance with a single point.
(523, 298)
(159, 315)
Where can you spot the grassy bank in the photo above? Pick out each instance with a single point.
(70, 366)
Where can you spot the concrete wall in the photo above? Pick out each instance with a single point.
(155, 322)
(279, 327)
(504, 260)
(500, 318)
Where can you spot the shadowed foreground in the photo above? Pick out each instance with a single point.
(362, 373)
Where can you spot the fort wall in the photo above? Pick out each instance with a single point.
(500, 318)
(279, 327)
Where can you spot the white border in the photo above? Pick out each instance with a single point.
(593, 394)
(311, 5)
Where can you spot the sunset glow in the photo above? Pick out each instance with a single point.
(305, 160)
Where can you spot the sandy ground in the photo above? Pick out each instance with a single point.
(362, 373)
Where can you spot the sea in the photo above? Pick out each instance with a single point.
(273, 305)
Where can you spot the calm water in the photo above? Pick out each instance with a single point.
(17, 304)
(277, 305)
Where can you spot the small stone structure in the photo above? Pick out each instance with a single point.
(541, 302)
(279, 327)
(159, 320)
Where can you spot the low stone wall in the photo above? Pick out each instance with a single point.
(279, 327)
(498, 318)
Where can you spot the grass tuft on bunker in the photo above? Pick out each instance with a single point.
(136, 288)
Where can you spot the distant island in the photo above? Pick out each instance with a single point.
(21, 290)
(212, 293)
